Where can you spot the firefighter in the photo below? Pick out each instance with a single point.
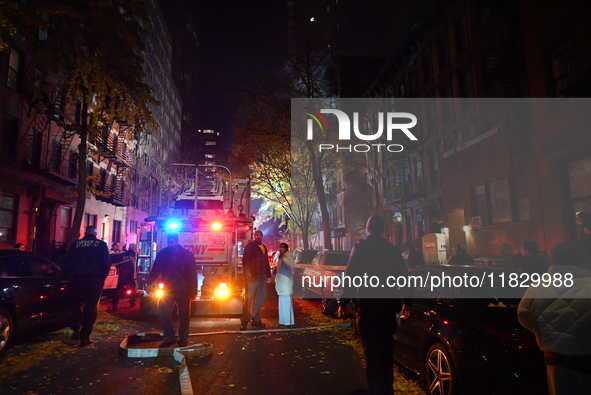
(87, 263)
(176, 268)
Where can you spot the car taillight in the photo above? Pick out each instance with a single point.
(510, 337)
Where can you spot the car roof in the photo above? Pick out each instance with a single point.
(10, 251)
(469, 269)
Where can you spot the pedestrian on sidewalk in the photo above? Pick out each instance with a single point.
(87, 264)
(284, 285)
(256, 272)
(176, 268)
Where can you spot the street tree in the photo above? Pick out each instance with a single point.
(306, 65)
(91, 56)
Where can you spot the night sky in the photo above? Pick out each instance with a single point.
(237, 43)
(242, 40)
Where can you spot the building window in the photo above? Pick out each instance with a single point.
(90, 219)
(209, 156)
(492, 202)
(579, 173)
(419, 175)
(460, 35)
(14, 66)
(8, 216)
(562, 73)
(446, 105)
(562, 69)
(442, 52)
(133, 226)
(420, 225)
(426, 66)
(8, 144)
(65, 217)
(433, 169)
(210, 143)
(116, 231)
(90, 172)
(465, 90)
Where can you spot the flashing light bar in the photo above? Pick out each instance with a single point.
(173, 225)
(216, 226)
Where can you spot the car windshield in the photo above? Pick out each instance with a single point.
(336, 259)
(306, 256)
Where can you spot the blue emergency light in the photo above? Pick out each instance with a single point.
(173, 225)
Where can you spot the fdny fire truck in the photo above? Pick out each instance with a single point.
(211, 216)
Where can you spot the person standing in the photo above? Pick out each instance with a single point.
(584, 222)
(531, 259)
(378, 306)
(459, 256)
(415, 256)
(256, 272)
(507, 255)
(176, 268)
(87, 264)
(126, 279)
(284, 285)
(559, 316)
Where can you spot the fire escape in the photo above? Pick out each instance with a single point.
(111, 184)
(50, 136)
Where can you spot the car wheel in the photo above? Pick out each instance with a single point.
(6, 330)
(439, 373)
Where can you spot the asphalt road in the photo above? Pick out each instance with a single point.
(302, 361)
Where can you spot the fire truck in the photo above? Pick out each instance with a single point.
(211, 216)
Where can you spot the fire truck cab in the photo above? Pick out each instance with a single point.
(213, 222)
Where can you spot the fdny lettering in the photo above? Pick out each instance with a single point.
(194, 237)
(197, 249)
(87, 243)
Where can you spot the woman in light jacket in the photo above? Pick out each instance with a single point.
(284, 285)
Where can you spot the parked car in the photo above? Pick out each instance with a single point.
(316, 279)
(272, 256)
(468, 346)
(302, 257)
(33, 293)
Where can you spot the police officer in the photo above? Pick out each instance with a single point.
(87, 263)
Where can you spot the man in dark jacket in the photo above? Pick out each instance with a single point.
(87, 263)
(176, 268)
(255, 262)
(378, 305)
